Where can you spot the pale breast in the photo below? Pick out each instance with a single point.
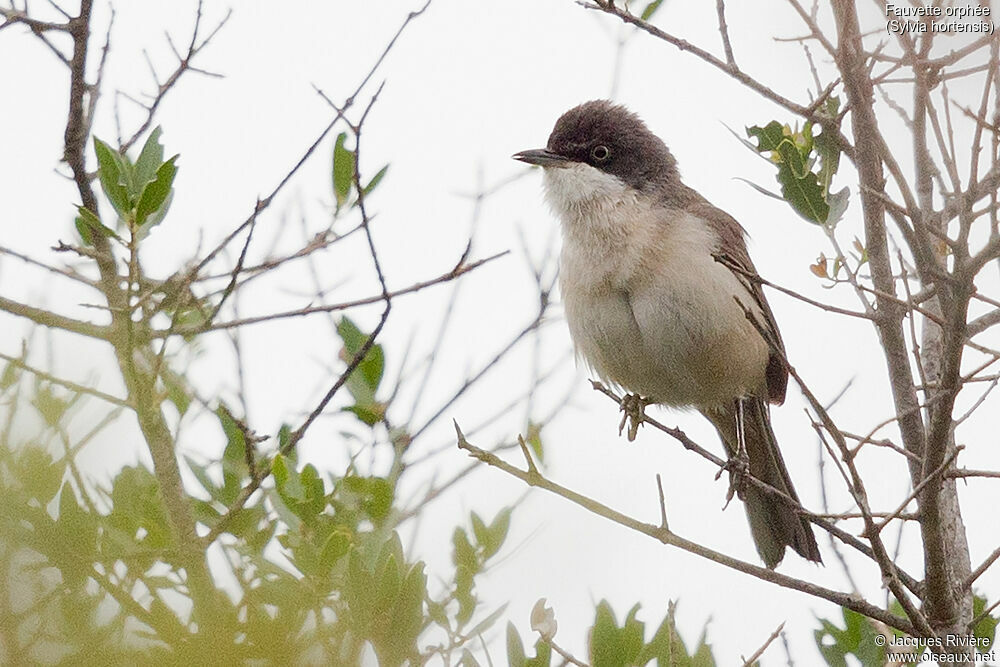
(649, 308)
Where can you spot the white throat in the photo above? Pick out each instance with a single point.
(580, 185)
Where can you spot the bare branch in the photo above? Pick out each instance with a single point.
(72, 386)
(54, 320)
(183, 65)
(720, 8)
(456, 272)
(670, 538)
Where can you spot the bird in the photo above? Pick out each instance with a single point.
(656, 290)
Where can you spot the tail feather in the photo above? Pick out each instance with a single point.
(774, 523)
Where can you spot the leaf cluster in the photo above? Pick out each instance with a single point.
(140, 192)
(806, 164)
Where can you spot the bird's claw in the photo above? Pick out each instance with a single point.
(738, 467)
(633, 406)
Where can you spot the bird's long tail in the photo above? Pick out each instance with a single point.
(774, 523)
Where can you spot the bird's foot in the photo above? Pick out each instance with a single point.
(633, 406)
(738, 467)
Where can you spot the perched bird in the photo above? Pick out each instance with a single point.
(654, 283)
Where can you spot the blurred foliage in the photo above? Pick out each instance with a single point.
(860, 637)
(310, 569)
(614, 645)
(857, 638)
(318, 569)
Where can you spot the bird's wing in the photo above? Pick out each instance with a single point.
(732, 244)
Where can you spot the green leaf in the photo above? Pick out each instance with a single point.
(534, 440)
(805, 195)
(987, 627)
(51, 407)
(829, 155)
(768, 137)
(9, 376)
(703, 657)
(369, 414)
(388, 585)
(380, 498)
(343, 170)
(611, 646)
(799, 186)
(543, 655)
(792, 157)
(177, 392)
(109, 172)
(463, 595)
(838, 206)
(87, 223)
(806, 189)
(302, 492)
(41, 475)
(498, 530)
(632, 635)
(375, 494)
(604, 636)
(393, 547)
(650, 9)
(155, 193)
(150, 159)
(76, 528)
(437, 613)
(667, 647)
(857, 638)
(351, 335)
(376, 179)
(359, 590)
(515, 647)
(234, 466)
(314, 489)
(463, 554)
(364, 381)
(279, 470)
(408, 619)
(479, 530)
(284, 437)
(157, 216)
(372, 366)
(230, 426)
(83, 229)
(138, 508)
(259, 538)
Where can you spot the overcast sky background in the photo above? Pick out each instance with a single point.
(467, 85)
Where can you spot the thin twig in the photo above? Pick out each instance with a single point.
(749, 662)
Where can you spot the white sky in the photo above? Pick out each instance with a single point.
(467, 85)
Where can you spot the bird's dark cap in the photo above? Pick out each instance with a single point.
(609, 137)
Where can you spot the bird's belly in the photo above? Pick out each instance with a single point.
(681, 340)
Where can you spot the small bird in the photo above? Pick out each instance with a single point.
(655, 290)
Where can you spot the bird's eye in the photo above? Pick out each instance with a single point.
(600, 153)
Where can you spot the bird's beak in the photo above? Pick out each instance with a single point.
(541, 157)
